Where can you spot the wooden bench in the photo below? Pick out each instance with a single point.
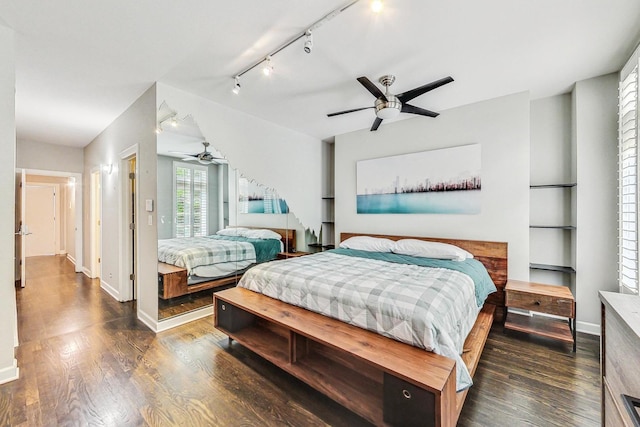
(383, 380)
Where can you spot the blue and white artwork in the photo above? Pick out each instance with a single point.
(256, 198)
(445, 181)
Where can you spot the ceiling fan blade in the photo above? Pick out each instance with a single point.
(409, 95)
(375, 90)
(189, 159)
(347, 111)
(408, 108)
(376, 123)
(179, 152)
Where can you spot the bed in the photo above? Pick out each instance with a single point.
(188, 265)
(384, 380)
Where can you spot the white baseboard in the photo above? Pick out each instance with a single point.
(72, 259)
(588, 328)
(110, 290)
(148, 320)
(173, 322)
(87, 272)
(10, 373)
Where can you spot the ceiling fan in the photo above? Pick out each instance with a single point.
(388, 105)
(205, 157)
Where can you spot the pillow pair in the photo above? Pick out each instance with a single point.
(251, 233)
(411, 247)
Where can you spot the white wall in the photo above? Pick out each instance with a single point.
(500, 125)
(595, 139)
(135, 126)
(8, 331)
(49, 157)
(272, 155)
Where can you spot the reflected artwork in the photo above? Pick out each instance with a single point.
(254, 198)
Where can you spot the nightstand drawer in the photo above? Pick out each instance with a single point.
(541, 303)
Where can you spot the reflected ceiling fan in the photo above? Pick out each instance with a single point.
(388, 105)
(205, 157)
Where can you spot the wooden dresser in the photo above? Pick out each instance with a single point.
(620, 359)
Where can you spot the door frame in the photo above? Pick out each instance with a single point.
(78, 218)
(126, 293)
(95, 229)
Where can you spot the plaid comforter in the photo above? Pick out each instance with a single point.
(430, 308)
(191, 252)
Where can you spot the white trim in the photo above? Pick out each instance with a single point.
(10, 373)
(86, 272)
(588, 328)
(173, 322)
(72, 259)
(124, 246)
(110, 290)
(148, 320)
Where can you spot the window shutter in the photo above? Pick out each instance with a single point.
(191, 200)
(200, 202)
(628, 179)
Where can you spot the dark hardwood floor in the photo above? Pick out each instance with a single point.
(84, 359)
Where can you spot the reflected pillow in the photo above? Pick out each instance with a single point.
(368, 243)
(262, 234)
(232, 231)
(425, 249)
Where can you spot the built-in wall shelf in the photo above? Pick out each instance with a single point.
(557, 227)
(550, 267)
(553, 185)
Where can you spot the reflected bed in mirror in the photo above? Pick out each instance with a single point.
(198, 200)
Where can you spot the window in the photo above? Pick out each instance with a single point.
(190, 200)
(628, 176)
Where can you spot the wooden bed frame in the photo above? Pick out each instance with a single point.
(384, 381)
(172, 280)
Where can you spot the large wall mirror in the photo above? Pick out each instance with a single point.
(213, 222)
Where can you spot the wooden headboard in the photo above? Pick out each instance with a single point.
(493, 255)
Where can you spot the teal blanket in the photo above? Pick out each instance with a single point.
(471, 267)
(266, 249)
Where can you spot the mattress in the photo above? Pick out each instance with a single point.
(428, 307)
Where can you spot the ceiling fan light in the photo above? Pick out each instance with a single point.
(376, 6)
(388, 113)
(174, 122)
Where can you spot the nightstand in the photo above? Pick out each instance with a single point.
(285, 255)
(548, 299)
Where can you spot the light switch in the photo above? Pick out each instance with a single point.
(150, 219)
(148, 205)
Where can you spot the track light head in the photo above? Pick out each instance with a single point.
(268, 68)
(308, 43)
(236, 86)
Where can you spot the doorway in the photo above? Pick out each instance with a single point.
(42, 206)
(96, 225)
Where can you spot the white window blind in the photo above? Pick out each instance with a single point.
(628, 177)
(190, 200)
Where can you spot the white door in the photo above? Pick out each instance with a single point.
(40, 217)
(21, 230)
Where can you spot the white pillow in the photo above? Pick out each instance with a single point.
(426, 249)
(368, 243)
(261, 233)
(232, 231)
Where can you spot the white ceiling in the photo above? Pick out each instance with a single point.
(80, 64)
